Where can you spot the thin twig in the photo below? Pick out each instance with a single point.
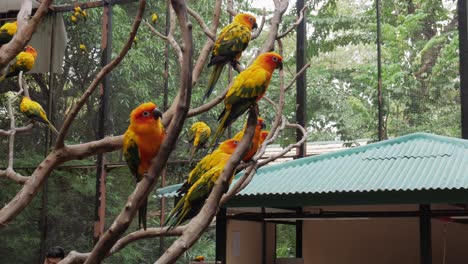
(298, 74)
(169, 38)
(97, 80)
(298, 21)
(202, 24)
(259, 30)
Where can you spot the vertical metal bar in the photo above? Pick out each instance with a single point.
(165, 106)
(379, 73)
(48, 144)
(463, 53)
(221, 235)
(264, 246)
(299, 224)
(425, 233)
(301, 82)
(101, 173)
(166, 58)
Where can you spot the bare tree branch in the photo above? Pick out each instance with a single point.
(230, 8)
(26, 28)
(169, 38)
(202, 24)
(298, 21)
(299, 73)
(204, 108)
(280, 7)
(78, 258)
(200, 223)
(259, 30)
(144, 187)
(97, 80)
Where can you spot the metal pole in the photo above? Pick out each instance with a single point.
(301, 82)
(463, 53)
(221, 235)
(425, 233)
(299, 224)
(48, 144)
(379, 73)
(101, 173)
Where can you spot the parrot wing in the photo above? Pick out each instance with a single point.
(233, 39)
(132, 156)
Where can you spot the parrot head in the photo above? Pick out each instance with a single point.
(261, 123)
(30, 50)
(263, 135)
(145, 117)
(270, 60)
(246, 19)
(229, 146)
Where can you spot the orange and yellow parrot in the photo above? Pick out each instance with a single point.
(34, 111)
(263, 136)
(228, 47)
(199, 259)
(198, 134)
(24, 62)
(141, 143)
(255, 140)
(248, 87)
(7, 31)
(200, 183)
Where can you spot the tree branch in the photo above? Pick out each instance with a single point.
(202, 24)
(280, 7)
(149, 180)
(298, 21)
(97, 80)
(169, 38)
(25, 30)
(259, 30)
(200, 223)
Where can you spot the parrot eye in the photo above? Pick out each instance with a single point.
(146, 113)
(251, 18)
(275, 59)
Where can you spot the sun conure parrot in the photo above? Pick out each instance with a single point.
(7, 31)
(199, 259)
(34, 111)
(154, 17)
(255, 140)
(229, 45)
(141, 143)
(24, 62)
(263, 136)
(247, 88)
(201, 181)
(198, 135)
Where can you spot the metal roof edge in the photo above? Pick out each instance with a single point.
(354, 150)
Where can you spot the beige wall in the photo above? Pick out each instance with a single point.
(383, 241)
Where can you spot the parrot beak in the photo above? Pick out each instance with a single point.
(280, 65)
(263, 125)
(255, 25)
(157, 114)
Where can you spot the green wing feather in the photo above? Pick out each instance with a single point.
(132, 156)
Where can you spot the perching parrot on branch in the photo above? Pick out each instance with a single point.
(263, 136)
(248, 87)
(201, 181)
(7, 31)
(255, 140)
(228, 47)
(34, 111)
(141, 143)
(24, 62)
(198, 135)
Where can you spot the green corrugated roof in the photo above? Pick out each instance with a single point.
(417, 168)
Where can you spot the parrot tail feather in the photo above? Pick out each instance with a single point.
(142, 211)
(173, 217)
(214, 77)
(52, 128)
(221, 127)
